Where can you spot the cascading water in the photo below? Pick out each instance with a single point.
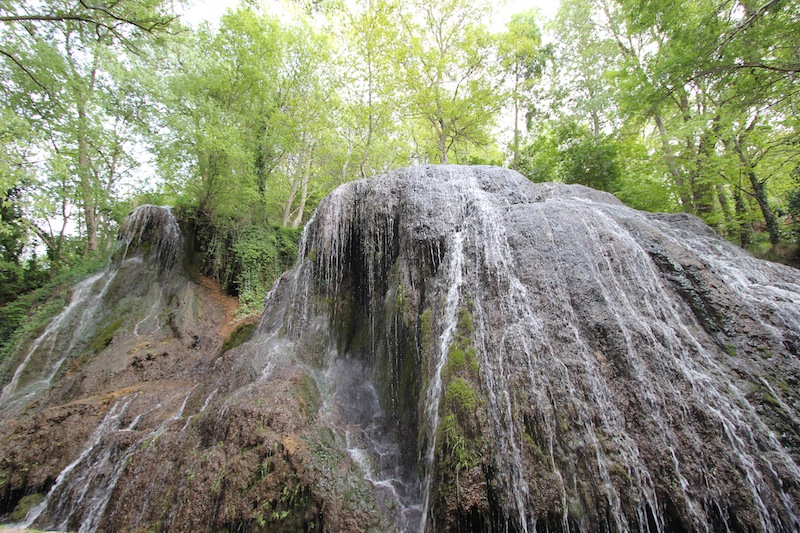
(45, 355)
(158, 227)
(67, 335)
(455, 349)
(110, 423)
(596, 358)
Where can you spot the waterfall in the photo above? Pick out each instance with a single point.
(109, 423)
(67, 334)
(158, 227)
(456, 348)
(46, 354)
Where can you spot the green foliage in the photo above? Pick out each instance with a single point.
(692, 129)
(449, 79)
(569, 152)
(669, 106)
(793, 205)
(460, 452)
(461, 397)
(522, 58)
(244, 257)
(593, 162)
(264, 254)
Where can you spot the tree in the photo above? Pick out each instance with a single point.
(666, 77)
(122, 21)
(369, 120)
(450, 83)
(521, 58)
(62, 58)
(584, 57)
(250, 124)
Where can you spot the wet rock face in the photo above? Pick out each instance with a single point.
(549, 357)
(456, 348)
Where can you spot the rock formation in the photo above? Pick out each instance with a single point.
(455, 349)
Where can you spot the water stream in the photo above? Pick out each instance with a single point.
(633, 372)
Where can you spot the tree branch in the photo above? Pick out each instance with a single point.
(26, 71)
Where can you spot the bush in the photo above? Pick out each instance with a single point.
(244, 258)
(264, 254)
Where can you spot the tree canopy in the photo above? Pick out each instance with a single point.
(246, 123)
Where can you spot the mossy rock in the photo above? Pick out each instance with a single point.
(24, 505)
(241, 334)
(461, 397)
(102, 340)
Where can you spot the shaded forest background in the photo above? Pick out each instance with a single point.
(244, 126)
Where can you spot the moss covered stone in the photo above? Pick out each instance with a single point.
(239, 335)
(25, 505)
(460, 396)
(102, 340)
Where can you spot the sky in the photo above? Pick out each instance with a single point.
(211, 10)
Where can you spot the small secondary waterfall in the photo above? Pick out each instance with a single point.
(456, 348)
(69, 332)
(434, 395)
(46, 354)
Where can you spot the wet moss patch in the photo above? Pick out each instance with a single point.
(102, 340)
(242, 333)
(25, 505)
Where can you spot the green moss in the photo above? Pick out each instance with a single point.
(25, 505)
(770, 399)
(464, 321)
(401, 295)
(308, 396)
(456, 359)
(241, 334)
(461, 354)
(425, 325)
(460, 396)
(472, 359)
(534, 449)
(102, 340)
(730, 349)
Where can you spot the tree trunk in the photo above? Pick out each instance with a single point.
(85, 176)
(703, 188)
(760, 194)
(702, 196)
(515, 163)
(371, 120)
(677, 178)
(725, 204)
(287, 206)
(298, 218)
(744, 229)
(442, 143)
